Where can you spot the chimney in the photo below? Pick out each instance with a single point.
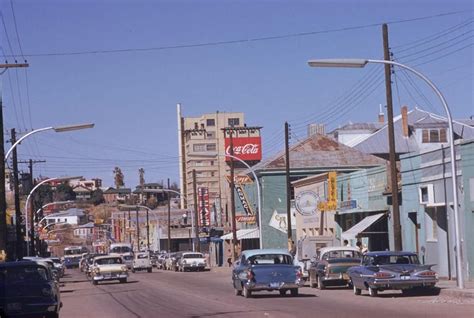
(405, 121)
(381, 115)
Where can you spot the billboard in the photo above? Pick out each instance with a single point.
(245, 148)
(204, 214)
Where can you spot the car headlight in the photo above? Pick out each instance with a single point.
(124, 268)
(96, 270)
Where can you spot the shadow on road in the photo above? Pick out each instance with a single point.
(118, 283)
(286, 296)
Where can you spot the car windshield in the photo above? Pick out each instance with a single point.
(109, 261)
(23, 274)
(341, 254)
(396, 259)
(56, 260)
(121, 249)
(193, 256)
(73, 251)
(270, 259)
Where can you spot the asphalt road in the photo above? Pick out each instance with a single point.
(210, 294)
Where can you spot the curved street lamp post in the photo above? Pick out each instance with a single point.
(359, 63)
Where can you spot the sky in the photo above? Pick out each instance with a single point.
(124, 65)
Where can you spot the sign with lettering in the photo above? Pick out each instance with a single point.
(245, 148)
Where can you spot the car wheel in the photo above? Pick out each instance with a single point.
(282, 292)
(294, 292)
(133, 270)
(122, 280)
(320, 283)
(237, 292)
(246, 292)
(95, 282)
(53, 315)
(150, 270)
(373, 292)
(357, 291)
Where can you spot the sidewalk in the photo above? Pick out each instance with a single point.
(449, 288)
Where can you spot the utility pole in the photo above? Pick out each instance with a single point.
(232, 198)
(18, 216)
(3, 202)
(169, 217)
(397, 231)
(129, 227)
(138, 231)
(288, 186)
(30, 163)
(196, 229)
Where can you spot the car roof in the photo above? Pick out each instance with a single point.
(106, 256)
(338, 248)
(22, 264)
(250, 253)
(390, 253)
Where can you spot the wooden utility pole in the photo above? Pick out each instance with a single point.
(232, 198)
(288, 186)
(16, 189)
(3, 203)
(397, 231)
(196, 220)
(169, 217)
(138, 230)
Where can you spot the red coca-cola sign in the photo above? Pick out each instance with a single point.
(245, 148)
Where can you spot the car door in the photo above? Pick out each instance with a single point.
(239, 266)
(356, 272)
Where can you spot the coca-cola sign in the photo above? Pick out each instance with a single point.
(245, 148)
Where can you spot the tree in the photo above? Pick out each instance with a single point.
(42, 195)
(118, 178)
(97, 197)
(64, 192)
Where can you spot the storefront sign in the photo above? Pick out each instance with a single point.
(347, 205)
(246, 219)
(306, 203)
(245, 148)
(204, 209)
(240, 179)
(243, 199)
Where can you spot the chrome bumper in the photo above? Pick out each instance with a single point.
(402, 284)
(110, 277)
(274, 286)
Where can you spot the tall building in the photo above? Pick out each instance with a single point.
(316, 129)
(203, 147)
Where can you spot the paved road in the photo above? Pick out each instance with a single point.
(209, 294)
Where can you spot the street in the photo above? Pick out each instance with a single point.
(210, 294)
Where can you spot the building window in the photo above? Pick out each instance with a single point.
(212, 173)
(199, 147)
(211, 147)
(211, 135)
(431, 224)
(210, 122)
(434, 135)
(212, 162)
(233, 122)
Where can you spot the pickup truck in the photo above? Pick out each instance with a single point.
(266, 270)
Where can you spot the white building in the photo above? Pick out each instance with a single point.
(71, 216)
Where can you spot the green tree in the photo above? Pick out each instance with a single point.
(118, 178)
(97, 197)
(64, 192)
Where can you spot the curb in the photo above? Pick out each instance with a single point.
(457, 293)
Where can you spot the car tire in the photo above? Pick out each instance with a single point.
(123, 280)
(321, 285)
(133, 270)
(282, 292)
(150, 270)
(373, 292)
(52, 315)
(246, 292)
(357, 291)
(294, 292)
(94, 282)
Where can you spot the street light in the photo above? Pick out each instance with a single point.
(56, 129)
(457, 228)
(28, 200)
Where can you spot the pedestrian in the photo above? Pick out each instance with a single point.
(229, 261)
(346, 243)
(293, 248)
(362, 248)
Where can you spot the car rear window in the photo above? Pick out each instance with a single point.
(270, 259)
(193, 256)
(25, 274)
(396, 260)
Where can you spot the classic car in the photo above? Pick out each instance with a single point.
(331, 265)
(28, 288)
(107, 268)
(142, 262)
(191, 261)
(266, 270)
(381, 271)
(58, 265)
(55, 271)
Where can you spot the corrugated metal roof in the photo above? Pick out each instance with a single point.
(244, 234)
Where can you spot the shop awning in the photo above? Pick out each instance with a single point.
(360, 227)
(244, 234)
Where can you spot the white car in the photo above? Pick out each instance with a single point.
(107, 268)
(142, 262)
(192, 261)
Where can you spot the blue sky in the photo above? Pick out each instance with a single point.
(131, 96)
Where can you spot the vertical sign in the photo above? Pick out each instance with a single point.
(332, 190)
(204, 208)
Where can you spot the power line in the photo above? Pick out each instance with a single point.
(16, 29)
(256, 39)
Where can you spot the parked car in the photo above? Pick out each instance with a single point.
(331, 265)
(28, 288)
(191, 261)
(266, 269)
(142, 262)
(386, 270)
(107, 268)
(171, 262)
(58, 265)
(54, 270)
(161, 261)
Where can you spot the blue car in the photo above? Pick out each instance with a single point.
(266, 270)
(386, 270)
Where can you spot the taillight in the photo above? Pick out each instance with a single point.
(299, 274)
(427, 273)
(383, 275)
(250, 275)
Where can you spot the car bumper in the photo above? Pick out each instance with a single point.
(274, 286)
(336, 279)
(109, 277)
(402, 284)
(188, 266)
(22, 309)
